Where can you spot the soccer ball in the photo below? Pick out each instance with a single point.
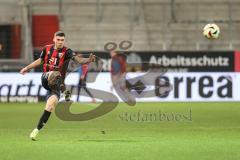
(211, 31)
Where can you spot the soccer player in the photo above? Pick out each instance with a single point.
(55, 59)
(83, 71)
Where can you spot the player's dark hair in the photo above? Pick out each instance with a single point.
(59, 33)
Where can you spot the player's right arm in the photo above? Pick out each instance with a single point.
(31, 66)
(34, 64)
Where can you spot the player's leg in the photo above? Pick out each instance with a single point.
(84, 86)
(50, 105)
(52, 99)
(54, 82)
(89, 93)
(79, 89)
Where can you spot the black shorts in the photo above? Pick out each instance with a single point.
(50, 92)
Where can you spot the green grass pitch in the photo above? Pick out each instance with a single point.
(203, 131)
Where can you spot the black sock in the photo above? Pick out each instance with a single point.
(43, 120)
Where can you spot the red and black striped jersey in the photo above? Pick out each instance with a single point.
(56, 59)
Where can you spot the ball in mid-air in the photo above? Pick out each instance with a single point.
(211, 31)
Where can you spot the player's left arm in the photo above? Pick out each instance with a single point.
(82, 60)
(72, 55)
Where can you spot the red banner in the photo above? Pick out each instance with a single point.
(237, 61)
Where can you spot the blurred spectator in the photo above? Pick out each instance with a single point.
(83, 71)
(118, 76)
(118, 69)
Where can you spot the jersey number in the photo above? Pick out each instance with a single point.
(54, 60)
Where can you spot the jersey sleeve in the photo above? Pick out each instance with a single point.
(70, 54)
(43, 53)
